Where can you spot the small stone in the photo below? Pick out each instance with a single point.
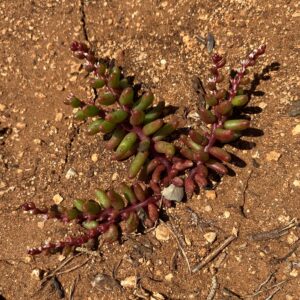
(210, 237)
(58, 117)
(57, 199)
(187, 241)
(37, 141)
(226, 214)
(296, 183)
(262, 105)
(163, 62)
(210, 195)
(155, 79)
(73, 78)
(20, 125)
(273, 155)
(294, 273)
(208, 208)
(157, 296)
(94, 157)
(173, 193)
(2, 185)
(40, 95)
(71, 173)
(296, 130)
(294, 110)
(41, 225)
(75, 68)
(37, 274)
(2, 107)
(27, 259)
(235, 231)
(169, 277)
(114, 176)
(292, 238)
(162, 233)
(60, 87)
(61, 257)
(289, 297)
(129, 282)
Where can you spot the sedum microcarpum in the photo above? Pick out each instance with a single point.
(137, 130)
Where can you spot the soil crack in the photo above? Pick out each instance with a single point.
(83, 19)
(68, 146)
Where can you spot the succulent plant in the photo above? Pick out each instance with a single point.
(137, 128)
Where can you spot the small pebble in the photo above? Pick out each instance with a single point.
(162, 233)
(57, 199)
(20, 125)
(262, 105)
(41, 225)
(37, 274)
(2, 107)
(226, 214)
(292, 238)
(294, 273)
(71, 173)
(273, 156)
(208, 208)
(157, 296)
(155, 79)
(129, 282)
(210, 237)
(169, 277)
(296, 183)
(296, 130)
(187, 241)
(94, 157)
(294, 110)
(114, 177)
(2, 184)
(58, 117)
(210, 195)
(163, 62)
(27, 259)
(37, 141)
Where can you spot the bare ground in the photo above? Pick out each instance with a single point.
(40, 142)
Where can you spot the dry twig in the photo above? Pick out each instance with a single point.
(214, 253)
(267, 289)
(273, 293)
(275, 233)
(294, 248)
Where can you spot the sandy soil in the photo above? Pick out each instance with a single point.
(156, 41)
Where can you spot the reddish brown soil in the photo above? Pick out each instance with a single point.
(39, 145)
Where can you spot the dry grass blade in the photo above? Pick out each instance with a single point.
(179, 246)
(54, 272)
(74, 268)
(72, 288)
